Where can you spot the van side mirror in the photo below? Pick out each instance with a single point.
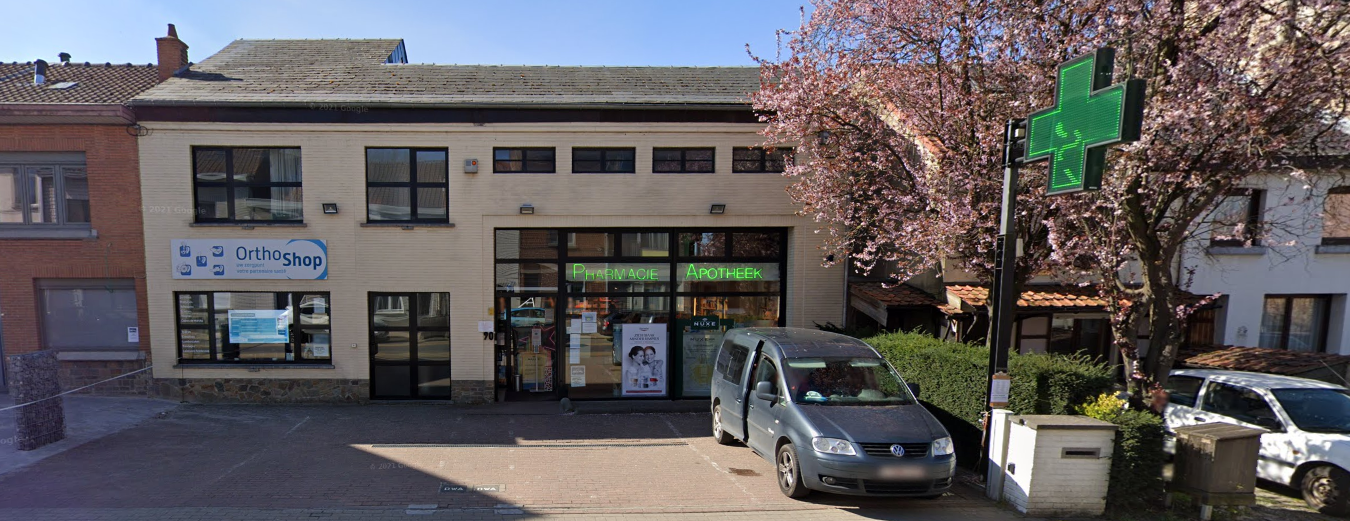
(765, 391)
(913, 389)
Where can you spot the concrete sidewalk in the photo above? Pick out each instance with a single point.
(87, 418)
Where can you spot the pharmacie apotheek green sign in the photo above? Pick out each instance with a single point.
(1090, 114)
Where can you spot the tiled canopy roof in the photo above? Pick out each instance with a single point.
(1263, 360)
(900, 295)
(1048, 296)
(100, 84)
(262, 72)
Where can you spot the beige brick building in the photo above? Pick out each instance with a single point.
(563, 209)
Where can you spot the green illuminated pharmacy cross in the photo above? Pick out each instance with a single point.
(1089, 115)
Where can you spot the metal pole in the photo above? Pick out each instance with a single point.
(1003, 296)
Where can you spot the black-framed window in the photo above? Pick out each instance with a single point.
(684, 160)
(1237, 219)
(88, 313)
(44, 190)
(253, 327)
(1336, 217)
(407, 185)
(750, 160)
(531, 160)
(604, 160)
(410, 345)
(238, 184)
(1296, 322)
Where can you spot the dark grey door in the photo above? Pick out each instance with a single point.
(761, 417)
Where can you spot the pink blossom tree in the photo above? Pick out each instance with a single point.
(898, 106)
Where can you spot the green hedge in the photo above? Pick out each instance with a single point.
(953, 380)
(1138, 459)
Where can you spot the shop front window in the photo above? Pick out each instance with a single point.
(605, 354)
(640, 312)
(254, 327)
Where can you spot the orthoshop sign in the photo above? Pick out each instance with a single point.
(250, 259)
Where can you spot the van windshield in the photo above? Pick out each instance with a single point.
(844, 381)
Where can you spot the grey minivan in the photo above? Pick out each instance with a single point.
(831, 414)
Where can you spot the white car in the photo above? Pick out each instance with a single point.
(1308, 443)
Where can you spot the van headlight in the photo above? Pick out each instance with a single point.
(833, 446)
(943, 447)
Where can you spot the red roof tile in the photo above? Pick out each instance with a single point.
(1263, 360)
(902, 295)
(1038, 296)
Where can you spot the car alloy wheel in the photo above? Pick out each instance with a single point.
(787, 475)
(719, 435)
(790, 473)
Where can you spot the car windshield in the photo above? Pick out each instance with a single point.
(844, 381)
(1316, 410)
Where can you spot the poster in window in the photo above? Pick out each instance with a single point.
(644, 361)
(259, 326)
(700, 336)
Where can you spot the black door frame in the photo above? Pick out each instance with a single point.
(504, 325)
(413, 328)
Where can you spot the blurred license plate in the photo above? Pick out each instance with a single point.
(901, 472)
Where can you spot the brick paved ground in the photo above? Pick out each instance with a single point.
(393, 461)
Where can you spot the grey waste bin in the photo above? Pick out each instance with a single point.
(1216, 463)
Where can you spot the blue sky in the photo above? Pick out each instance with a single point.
(573, 32)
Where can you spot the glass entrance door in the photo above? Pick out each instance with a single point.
(409, 346)
(530, 325)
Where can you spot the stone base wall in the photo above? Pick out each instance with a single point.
(79, 373)
(473, 392)
(33, 377)
(263, 390)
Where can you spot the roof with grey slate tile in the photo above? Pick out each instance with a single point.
(299, 72)
(96, 84)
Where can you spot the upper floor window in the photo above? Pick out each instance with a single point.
(1296, 322)
(1237, 219)
(758, 160)
(1336, 216)
(44, 189)
(682, 160)
(407, 185)
(247, 184)
(523, 160)
(603, 160)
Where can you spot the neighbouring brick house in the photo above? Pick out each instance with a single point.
(72, 254)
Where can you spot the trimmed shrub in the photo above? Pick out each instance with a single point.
(953, 380)
(1138, 459)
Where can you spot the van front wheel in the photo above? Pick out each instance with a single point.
(790, 473)
(718, 434)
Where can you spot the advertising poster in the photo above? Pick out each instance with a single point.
(701, 336)
(644, 360)
(249, 259)
(259, 326)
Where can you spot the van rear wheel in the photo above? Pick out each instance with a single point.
(718, 434)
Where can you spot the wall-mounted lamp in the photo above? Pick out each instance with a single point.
(527, 209)
(330, 208)
(718, 209)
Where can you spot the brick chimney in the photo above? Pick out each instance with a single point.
(172, 54)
